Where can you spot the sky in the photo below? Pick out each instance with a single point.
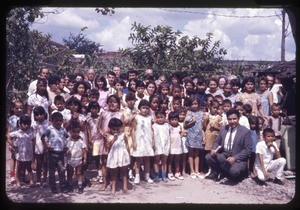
(246, 34)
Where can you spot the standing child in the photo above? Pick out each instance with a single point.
(175, 146)
(56, 145)
(161, 137)
(195, 136)
(268, 160)
(93, 135)
(39, 126)
(253, 121)
(154, 101)
(118, 158)
(181, 117)
(16, 111)
(76, 156)
(275, 122)
(23, 142)
(114, 104)
(142, 140)
(213, 123)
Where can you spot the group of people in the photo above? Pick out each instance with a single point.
(164, 128)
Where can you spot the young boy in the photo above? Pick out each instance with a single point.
(264, 163)
(56, 145)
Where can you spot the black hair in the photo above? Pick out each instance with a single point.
(227, 101)
(74, 100)
(39, 110)
(102, 79)
(111, 73)
(94, 92)
(268, 130)
(173, 115)
(214, 102)
(44, 82)
(238, 103)
(56, 115)
(130, 96)
(246, 80)
(140, 83)
(235, 82)
(161, 111)
(115, 97)
(143, 102)
(74, 124)
(247, 108)
(115, 123)
(59, 98)
(93, 104)
(233, 111)
(120, 81)
(24, 119)
(53, 79)
(77, 83)
(201, 80)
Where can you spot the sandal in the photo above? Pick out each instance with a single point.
(193, 175)
(199, 175)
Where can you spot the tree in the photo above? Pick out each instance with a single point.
(164, 49)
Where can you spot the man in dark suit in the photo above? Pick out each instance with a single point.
(230, 150)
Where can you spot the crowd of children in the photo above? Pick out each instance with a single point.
(128, 127)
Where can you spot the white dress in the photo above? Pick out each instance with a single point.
(39, 129)
(23, 141)
(118, 155)
(176, 142)
(161, 138)
(143, 136)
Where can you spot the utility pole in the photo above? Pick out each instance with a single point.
(283, 35)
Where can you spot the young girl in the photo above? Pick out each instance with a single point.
(142, 140)
(161, 135)
(23, 143)
(129, 112)
(118, 154)
(101, 85)
(195, 136)
(212, 124)
(154, 101)
(181, 117)
(94, 136)
(266, 96)
(39, 126)
(114, 103)
(80, 88)
(175, 146)
(40, 98)
(76, 156)
(16, 111)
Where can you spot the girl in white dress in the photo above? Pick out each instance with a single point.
(175, 146)
(40, 160)
(118, 158)
(142, 140)
(162, 144)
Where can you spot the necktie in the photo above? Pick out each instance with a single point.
(230, 139)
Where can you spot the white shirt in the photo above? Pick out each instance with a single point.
(227, 138)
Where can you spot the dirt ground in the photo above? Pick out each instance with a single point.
(187, 191)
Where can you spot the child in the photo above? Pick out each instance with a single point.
(113, 103)
(80, 88)
(39, 126)
(181, 117)
(253, 122)
(139, 94)
(154, 101)
(161, 137)
(56, 145)
(142, 140)
(176, 103)
(23, 143)
(16, 111)
(275, 122)
(175, 146)
(118, 154)
(212, 124)
(227, 105)
(76, 156)
(277, 90)
(268, 160)
(195, 136)
(129, 112)
(93, 135)
(59, 102)
(243, 119)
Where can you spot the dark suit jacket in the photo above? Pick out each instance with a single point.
(242, 143)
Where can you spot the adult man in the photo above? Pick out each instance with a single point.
(230, 150)
(149, 72)
(90, 74)
(32, 86)
(117, 71)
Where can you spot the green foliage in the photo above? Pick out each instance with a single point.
(168, 51)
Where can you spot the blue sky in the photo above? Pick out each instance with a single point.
(247, 34)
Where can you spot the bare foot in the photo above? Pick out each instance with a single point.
(103, 187)
(126, 192)
(113, 194)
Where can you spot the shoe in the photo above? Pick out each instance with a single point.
(193, 175)
(156, 179)
(259, 182)
(64, 189)
(12, 180)
(70, 188)
(100, 179)
(178, 176)
(171, 177)
(198, 175)
(137, 179)
(149, 180)
(54, 190)
(164, 177)
(130, 176)
(38, 184)
(211, 176)
(80, 190)
(278, 181)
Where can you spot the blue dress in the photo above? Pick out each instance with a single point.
(194, 133)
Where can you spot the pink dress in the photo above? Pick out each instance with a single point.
(175, 137)
(106, 116)
(253, 99)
